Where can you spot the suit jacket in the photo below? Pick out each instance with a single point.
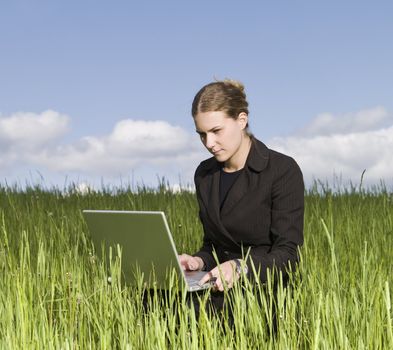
(262, 213)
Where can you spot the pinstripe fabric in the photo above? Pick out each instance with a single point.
(262, 214)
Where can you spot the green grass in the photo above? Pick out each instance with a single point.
(53, 294)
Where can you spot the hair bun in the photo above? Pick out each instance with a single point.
(235, 83)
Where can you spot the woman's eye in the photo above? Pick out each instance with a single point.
(217, 131)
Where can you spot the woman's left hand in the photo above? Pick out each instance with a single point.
(225, 276)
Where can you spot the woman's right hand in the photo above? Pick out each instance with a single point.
(190, 263)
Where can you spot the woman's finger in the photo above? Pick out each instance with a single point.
(218, 284)
(207, 277)
(192, 263)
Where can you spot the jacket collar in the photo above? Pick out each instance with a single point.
(258, 156)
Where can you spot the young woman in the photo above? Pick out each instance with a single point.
(251, 198)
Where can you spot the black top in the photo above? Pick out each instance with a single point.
(262, 213)
(226, 182)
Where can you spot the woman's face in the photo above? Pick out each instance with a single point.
(220, 134)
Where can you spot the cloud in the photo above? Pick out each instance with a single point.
(29, 130)
(33, 140)
(131, 143)
(347, 123)
(23, 134)
(343, 146)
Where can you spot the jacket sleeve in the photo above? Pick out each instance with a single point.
(206, 251)
(286, 231)
(206, 254)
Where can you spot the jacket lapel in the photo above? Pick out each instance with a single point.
(209, 190)
(256, 161)
(211, 195)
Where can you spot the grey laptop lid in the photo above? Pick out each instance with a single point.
(145, 242)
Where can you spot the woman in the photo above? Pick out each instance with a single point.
(251, 198)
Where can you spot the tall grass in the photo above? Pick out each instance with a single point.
(53, 294)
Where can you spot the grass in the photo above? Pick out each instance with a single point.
(54, 295)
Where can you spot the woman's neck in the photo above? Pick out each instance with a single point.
(238, 160)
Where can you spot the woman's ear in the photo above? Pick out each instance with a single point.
(242, 119)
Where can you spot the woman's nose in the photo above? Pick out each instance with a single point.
(209, 142)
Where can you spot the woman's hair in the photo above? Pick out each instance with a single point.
(227, 96)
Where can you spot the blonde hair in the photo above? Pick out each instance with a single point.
(227, 96)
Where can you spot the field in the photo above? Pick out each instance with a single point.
(54, 295)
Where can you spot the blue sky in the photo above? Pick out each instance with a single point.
(308, 67)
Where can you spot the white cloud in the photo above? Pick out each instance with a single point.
(346, 123)
(132, 144)
(357, 144)
(343, 145)
(23, 134)
(29, 130)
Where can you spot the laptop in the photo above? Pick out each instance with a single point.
(146, 246)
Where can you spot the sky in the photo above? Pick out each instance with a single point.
(100, 92)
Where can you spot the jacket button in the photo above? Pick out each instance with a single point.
(226, 252)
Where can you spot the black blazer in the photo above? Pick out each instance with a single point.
(263, 211)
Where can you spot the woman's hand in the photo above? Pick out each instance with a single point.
(224, 274)
(190, 263)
